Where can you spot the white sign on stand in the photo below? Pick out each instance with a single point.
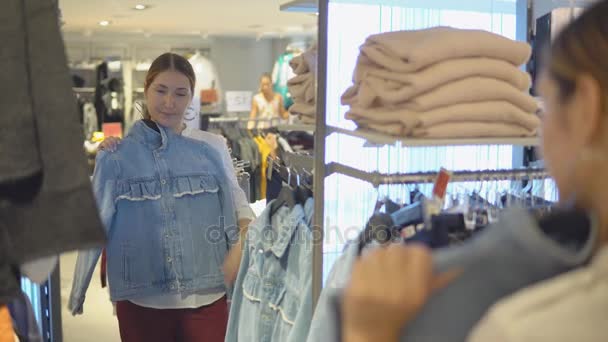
(238, 101)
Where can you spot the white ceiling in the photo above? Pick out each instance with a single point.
(186, 17)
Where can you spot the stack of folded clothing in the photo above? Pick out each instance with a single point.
(442, 83)
(303, 87)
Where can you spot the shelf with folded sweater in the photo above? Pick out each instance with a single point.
(302, 88)
(440, 93)
(374, 139)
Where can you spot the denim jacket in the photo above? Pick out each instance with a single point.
(273, 292)
(168, 210)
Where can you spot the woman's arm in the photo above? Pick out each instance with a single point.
(252, 115)
(282, 111)
(388, 287)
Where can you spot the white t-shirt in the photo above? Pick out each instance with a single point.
(571, 307)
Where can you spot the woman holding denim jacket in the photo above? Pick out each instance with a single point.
(167, 201)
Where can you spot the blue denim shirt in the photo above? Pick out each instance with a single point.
(168, 210)
(273, 292)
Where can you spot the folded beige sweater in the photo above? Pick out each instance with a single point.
(471, 89)
(303, 109)
(305, 63)
(409, 51)
(472, 130)
(452, 130)
(302, 88)
(375, 84)
(394, 129)
(299, 79)
(493, 111)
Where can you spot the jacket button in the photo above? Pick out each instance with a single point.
(169, 259)
(163, 182)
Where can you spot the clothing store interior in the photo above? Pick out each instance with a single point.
(304, 170)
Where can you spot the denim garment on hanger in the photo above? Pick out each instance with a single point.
(273, 292)
(168, 207)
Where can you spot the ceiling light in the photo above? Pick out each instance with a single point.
(104, 23)
(140, 7)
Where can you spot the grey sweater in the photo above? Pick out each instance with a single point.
(40, 134)
(508, 256)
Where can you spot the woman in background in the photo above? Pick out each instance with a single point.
(267, 106)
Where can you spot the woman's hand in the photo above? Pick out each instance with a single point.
(232, 263)
(388, 287)
(109, 143)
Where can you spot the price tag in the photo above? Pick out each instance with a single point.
(238, 101)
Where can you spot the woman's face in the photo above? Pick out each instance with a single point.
(168, 97)
(265, 85)
(558, 148)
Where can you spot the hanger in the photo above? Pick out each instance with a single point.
(286, 197)
(380, 227)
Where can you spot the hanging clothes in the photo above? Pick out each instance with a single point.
(89, 122)
(114, 100)
(281, 73)
(207, 98)
(264, 152)
(275, 278)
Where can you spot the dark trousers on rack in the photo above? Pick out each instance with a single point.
(140, 324)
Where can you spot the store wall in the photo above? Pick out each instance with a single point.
(239, 60)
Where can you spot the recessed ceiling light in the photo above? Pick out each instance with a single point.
(104, 23)
(140, 7)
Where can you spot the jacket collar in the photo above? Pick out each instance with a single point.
(275, 233)
(149, 137)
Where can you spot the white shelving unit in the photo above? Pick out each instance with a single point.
(383, 139)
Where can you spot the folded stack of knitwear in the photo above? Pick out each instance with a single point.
(442, 82)
(302, 87)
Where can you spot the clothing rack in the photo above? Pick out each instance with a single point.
(324, 168)
(377, 178)
(299, 161)
(236, 119)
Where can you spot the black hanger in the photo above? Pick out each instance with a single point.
(151, 124)
(380, 227)
(287, 195)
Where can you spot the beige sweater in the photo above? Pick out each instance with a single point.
(471, 89)
(452, 130)
(409, 51)
(493, 111)
(373, 84)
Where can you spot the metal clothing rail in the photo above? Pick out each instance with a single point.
(377, 178)
(299, 161)
(240, 119)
